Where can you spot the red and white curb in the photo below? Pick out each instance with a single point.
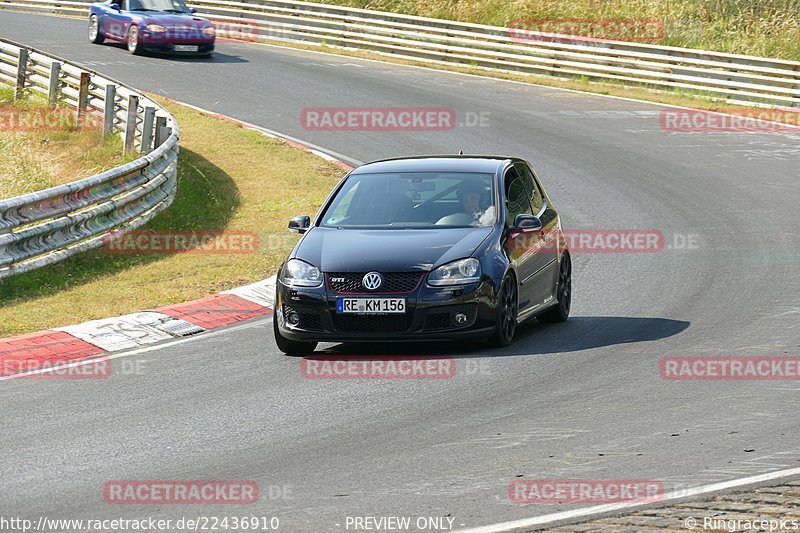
(97, 337)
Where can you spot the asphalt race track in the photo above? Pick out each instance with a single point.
(579, 400)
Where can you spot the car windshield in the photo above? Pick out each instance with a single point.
(413, 200)
(175, 6)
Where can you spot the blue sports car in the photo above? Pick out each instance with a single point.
(151, 25)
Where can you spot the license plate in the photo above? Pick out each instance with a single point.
(186, 48)
(371, 306)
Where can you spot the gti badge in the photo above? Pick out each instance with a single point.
(372, 281)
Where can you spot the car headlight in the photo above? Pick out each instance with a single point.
(456, 273)
(156, 28)
(209, 30)
(298, 273)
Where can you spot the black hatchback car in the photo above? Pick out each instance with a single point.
(425, 248)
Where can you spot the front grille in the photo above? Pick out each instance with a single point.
(372, 323)
(439, 320)
(396, 282)
(310, 321)
(307, 320)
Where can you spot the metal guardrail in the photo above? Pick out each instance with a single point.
(44, 227)
(736, 78)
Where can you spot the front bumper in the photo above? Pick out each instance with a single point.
(430, 314)
(158, 42)
(169, 48)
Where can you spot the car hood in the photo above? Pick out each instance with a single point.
(355, 250)
(172, 19)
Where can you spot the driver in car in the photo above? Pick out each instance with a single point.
(471, 195)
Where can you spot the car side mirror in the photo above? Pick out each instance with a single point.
(527, 222)
(115, 7)
(300, 224)
(193, 10)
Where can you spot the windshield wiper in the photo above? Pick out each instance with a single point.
(175, 11)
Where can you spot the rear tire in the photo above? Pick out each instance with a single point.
(506, 313)
(560, 312)
(289, 347)
(95, 36)
(134, 43)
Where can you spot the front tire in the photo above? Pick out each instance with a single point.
(289, 347)
(95, 36)
(506, 313)
(560, 312)
(134, 43)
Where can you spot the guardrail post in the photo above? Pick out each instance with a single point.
(110, 109)
(147, 129)
(22, 73)
(130, 123)
(162, 131)
(83, 96)
(55, 81)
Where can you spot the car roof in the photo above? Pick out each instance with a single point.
(438, 163)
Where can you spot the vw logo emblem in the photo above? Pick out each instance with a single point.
(372, 281)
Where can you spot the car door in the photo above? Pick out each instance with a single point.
(116, 24)
(542, 281)
(517, 202)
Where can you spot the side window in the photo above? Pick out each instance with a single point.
(530, 184)
(516, 197)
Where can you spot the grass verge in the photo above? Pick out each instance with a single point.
(33, 159)
(229, 179)
(767, 28)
